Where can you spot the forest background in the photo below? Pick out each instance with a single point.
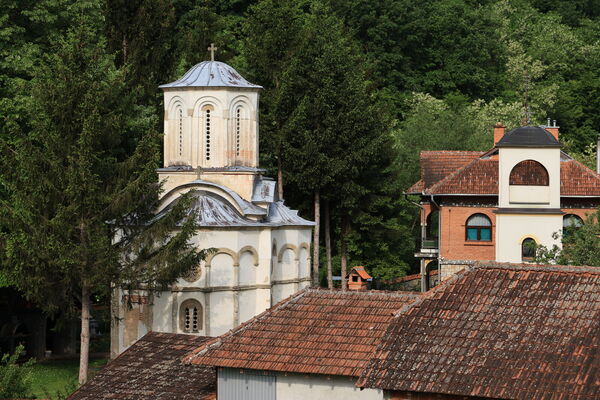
(353, 89)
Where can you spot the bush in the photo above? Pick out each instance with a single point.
(15, 378)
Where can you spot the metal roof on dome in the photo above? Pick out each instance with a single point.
(528, 136)
(211, 74)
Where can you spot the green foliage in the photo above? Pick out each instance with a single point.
(15, 378)
(81, 185)
(581, 246)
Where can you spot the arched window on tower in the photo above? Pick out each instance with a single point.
(528, 249)
(530, 173)
(207, 129)
(179, 116)
(479, 228)
(190, 316)
(571, 223)
(238, 130)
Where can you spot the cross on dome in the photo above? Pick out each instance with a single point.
(212, 48)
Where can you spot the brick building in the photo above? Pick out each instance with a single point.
(499, 204)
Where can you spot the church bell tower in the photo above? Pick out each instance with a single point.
(211, 128)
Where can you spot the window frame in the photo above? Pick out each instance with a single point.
(479, 228)
(525, 258)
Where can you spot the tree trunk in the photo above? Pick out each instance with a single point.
(344, 251)
(279, 177)
(315, 259)
(85, 334)
(328, 245)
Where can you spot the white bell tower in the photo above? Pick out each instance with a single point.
(211, 128)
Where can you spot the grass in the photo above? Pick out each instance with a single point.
(56, 378)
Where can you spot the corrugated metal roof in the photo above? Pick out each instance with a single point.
(211, 74)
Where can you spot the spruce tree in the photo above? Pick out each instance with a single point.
(81, 189)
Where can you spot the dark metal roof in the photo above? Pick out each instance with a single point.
(211, 74)
(528, 136)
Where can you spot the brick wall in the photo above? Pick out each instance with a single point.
(453, 243)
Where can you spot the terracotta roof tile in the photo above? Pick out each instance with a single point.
(480, 176)
(497, 330)
(360, 270)
(435, 165)
(315, 331)
(152, 369)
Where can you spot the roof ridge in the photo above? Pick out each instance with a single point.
(568, 269)
(217, 341)
(389, 293)
(452, 151)
(585, 168)
(450, 175)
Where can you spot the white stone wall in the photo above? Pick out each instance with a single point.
(512, 229)
(529, 196)
(223, 102)
(319, 387)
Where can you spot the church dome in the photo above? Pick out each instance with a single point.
(528, 136)
(211, 74)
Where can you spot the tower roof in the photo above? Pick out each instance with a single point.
(211, 74)
(528, 136)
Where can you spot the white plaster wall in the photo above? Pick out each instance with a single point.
(282, 291)
(222, 144)
(548, 157)
(221, 270)
(162, 310)
(511, 229)
(220, 313)
(247, 268)
(317, 387)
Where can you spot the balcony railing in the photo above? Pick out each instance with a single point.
(429, 244)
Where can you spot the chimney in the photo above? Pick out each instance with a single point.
(498, 132)
(553, 129)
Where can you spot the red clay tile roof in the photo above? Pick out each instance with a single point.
(360, 270)
(151, 369)
(578, 180)
(435, 165)
(497, 330)
(480, 176)
(314, 332)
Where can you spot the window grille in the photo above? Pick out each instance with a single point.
(207, 133)
(237, 131)
(180, 130)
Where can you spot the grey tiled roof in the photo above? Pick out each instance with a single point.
(211, 74)
(528, 136)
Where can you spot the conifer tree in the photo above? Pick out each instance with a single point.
(78, 200)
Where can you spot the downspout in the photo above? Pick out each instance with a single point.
(421, 234)
(439, 238)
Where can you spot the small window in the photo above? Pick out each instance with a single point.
(528, 249)
(479, 228)
(571, 223)
(207, 132)
(190, 316)
(238, 128)
(354, 278)
(180, 131)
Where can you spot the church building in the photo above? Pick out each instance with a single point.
(502, 203)
(261, 247)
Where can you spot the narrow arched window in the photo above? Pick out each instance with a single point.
(180, 131)
(571, 223)
(190, 316)
(238, 130)
(528, 249)
(479, 228)
(530, 173)
(207, 133)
